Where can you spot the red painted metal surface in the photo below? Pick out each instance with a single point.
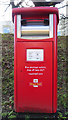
(35, 11)
(41, 99)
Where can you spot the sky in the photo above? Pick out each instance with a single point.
(7, 16)
(62, 10)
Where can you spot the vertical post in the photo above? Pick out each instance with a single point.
(18, 26)
(51, 25)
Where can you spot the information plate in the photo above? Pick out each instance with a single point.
(35, 54)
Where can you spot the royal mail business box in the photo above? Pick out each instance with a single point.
(35, 59)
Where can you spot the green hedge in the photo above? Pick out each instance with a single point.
(8, 77)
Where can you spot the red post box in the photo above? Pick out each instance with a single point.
(35, 59)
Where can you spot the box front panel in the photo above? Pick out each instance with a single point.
(34, 77)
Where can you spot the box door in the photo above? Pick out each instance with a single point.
(34, 77)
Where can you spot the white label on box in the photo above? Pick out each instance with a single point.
(35, 81)
(35, 54)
